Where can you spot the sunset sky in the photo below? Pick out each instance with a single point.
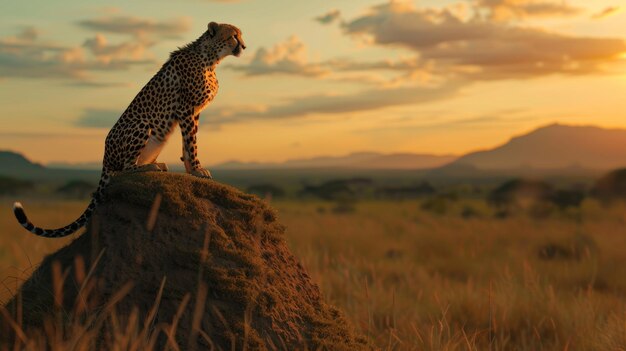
(318, 77)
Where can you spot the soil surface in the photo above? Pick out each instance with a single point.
(190, 252)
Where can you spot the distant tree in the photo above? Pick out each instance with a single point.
(565, 198)
(406, 192)
(520, 194)
(470, 212)
(12, 186)
(436, 204)
(328, 191)
(611, 186)
(266, 190)
(337, 190)
(343, 207)
(79, 189)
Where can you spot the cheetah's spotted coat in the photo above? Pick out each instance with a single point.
(176, 95)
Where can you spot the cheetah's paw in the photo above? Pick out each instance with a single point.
(162, 167)
(202, 173)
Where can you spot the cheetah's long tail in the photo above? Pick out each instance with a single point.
(80, 222)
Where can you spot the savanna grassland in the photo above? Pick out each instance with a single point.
(445, 277)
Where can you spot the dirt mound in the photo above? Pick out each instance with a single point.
(201, 260)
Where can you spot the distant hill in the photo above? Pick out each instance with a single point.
(14, 162)
(95, 165)
(551, 148)
(16, 165)
(360, 160)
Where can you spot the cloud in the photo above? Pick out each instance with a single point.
(43, 135)
(28, 34)
(105, 52)
(288, 57)
(366, 100)
(98, 118)
(329, 17)
(347, 65)
(93, 84)
(609, 11)
(482, 48)
(384, 73)
(520, 9)
(139, 27)
(441, 121)
(26, 56)
(453, 46)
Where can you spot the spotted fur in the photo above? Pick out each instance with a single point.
(176, 95)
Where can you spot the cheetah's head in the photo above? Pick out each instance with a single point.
(226, 39)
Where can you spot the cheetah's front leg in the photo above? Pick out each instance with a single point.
(189, 129)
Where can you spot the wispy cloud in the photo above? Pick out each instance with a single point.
(30, 136)
(94, 84)
(100, 48)
(366, 100)
(347, 64)
(429, 122)
(288, 57)
(606, 12)
(329, 17)
(520, 9)
(139, 27)
(28, 34)
(98, 118)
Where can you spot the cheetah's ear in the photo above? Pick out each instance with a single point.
(213, 27)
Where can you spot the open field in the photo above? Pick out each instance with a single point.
(412, 279)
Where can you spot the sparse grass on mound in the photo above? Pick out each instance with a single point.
(175, 260)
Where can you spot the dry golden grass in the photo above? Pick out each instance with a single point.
(412, 280)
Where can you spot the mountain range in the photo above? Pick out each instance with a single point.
(15, 165)
(551, 148)
(555, 148)
(358, 160)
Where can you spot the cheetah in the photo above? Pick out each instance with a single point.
(176, 95)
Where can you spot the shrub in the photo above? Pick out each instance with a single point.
(76, 189)
(266, 190)
(11, 186)
(611, 186)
